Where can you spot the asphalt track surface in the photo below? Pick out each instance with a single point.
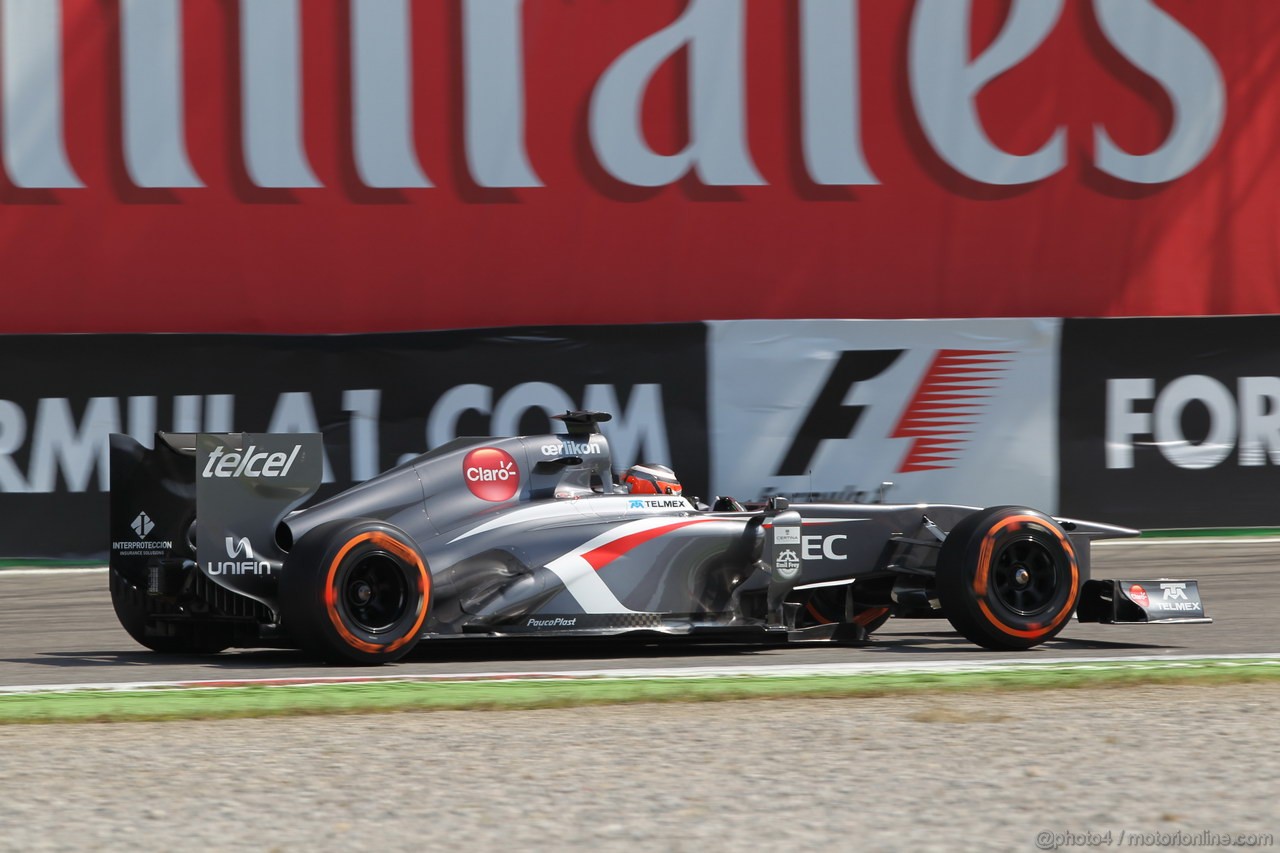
(59, 628)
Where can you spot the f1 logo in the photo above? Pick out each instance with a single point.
(946, 405)
(829, 417)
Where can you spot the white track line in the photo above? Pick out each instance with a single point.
(88, 570)
(1189, 540)
(779, 671)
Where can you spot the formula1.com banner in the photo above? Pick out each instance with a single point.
(947, 411)
(376, 399)
(1172, 422)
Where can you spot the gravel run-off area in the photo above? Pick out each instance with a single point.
(935, 771)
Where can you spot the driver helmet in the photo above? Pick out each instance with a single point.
(649, 479)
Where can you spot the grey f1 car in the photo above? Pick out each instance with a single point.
(530, 536)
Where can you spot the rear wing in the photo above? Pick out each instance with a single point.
(213, 499)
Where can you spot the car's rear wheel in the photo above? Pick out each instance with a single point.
(355, 592)
(137, 617)
(1008, 578)
(827, 605)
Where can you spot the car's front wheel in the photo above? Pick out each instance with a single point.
(1008, 578)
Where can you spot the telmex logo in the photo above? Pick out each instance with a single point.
(657, 503)
(491, 474)
(249, 463)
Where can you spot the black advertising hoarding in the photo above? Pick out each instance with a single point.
(1171, 422)
(376, 399)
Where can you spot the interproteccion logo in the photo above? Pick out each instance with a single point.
(142, 525)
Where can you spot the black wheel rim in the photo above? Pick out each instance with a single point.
(1027, 577)
(375, 593)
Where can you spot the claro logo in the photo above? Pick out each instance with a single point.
(250, 463)
(491, 474)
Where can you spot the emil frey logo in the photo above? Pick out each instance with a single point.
(491, 474)
(142, 525)
(788, 564)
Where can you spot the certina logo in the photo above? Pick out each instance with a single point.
(945, 408)
(249, 463)
(241, 547)
(1195, 422)
(787, 565)
(1139, 595)
(491, 474)
(142, 525)
(572, 448)
(786, 535)
(557, 622)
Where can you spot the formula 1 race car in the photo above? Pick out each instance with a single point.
(531, 536)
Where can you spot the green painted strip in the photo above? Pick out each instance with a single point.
(1208, 532)
(41, 563)
(387, 697)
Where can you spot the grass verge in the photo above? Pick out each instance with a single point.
(1211, 532)
(198, 703)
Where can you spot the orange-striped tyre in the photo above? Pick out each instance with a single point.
(825, 605)
(1008, 578)
(355, 592)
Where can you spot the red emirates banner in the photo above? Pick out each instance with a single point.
(379, 165)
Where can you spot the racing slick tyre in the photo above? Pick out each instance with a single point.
(1008, 578)
(355, 592)
(826, 605)
(132, 610)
